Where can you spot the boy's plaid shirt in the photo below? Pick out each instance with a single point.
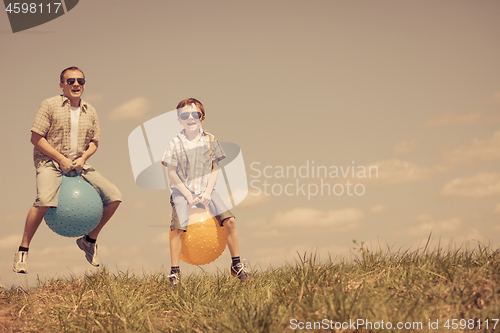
(193, 166)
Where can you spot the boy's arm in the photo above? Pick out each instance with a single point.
(177, 183)
(206, 196)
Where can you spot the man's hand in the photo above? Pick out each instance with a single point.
(65, 164)
(205, 198)
(78, 164)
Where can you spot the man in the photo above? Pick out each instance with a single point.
(65, 134)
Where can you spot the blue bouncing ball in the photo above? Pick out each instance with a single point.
(79, 208)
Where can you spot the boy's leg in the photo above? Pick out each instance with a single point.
(179, 222)
(226, 219)
(175, 247)
(231, 236)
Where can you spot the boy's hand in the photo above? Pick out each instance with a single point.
(192, 199)
(205, 198)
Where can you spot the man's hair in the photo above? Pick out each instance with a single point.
(190, 101)
(72, 68)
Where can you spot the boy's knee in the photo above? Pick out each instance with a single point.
(176, 233)
(229, 222)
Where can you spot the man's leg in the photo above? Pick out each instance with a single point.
(48, 181)
(107, 213)
(111, 198)
(33, 220)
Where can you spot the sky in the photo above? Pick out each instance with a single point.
(407, 89)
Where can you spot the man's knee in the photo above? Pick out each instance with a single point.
(41, 209)
(113, 204)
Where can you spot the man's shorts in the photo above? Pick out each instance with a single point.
(180, 210)
(48, 183)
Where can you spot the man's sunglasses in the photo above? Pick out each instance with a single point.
(196, 115)
(72, 81)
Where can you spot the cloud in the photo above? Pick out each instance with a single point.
(479, 186)
(496, 97)
(133, 109)
(93, 97)
(455, 118)
(478, 150)
(300, 217)
(141, 204)
(379, 209)
(396, 171)
(161, 239)
(429, 224)
(253, 200)
(18, 217)
(497, 209)
(404, 147)
(10, 242)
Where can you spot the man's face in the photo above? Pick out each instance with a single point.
(72, 91)
(191, 123)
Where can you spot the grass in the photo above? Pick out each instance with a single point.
(381, 287)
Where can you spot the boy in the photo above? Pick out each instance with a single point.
(192, 160)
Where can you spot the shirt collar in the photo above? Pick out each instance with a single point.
(182, 134)
(83, 104)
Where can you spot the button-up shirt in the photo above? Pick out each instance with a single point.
(194, 165)
(53, 122)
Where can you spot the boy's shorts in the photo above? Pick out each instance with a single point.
(48, 183)
(180, 210)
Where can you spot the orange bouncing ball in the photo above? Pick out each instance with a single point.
(205, 240)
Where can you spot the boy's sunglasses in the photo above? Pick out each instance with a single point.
(72, 81)
(196, 115)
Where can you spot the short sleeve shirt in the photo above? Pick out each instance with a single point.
(53, 122)
(194, 165)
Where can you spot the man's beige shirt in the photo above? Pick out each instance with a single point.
(53, 122)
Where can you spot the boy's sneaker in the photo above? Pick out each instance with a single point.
(174, 279)
(90, 250)
(240, 271)
(21, 262)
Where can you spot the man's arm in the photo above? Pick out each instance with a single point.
(44, 146)
(80, 161)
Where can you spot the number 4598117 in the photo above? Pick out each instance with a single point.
(470, 324)
(32, 8)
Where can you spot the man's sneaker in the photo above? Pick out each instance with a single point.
(90, 250)
(21, 262)
(174, 279)
(240, 271)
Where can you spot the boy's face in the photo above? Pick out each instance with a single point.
(191, 123)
